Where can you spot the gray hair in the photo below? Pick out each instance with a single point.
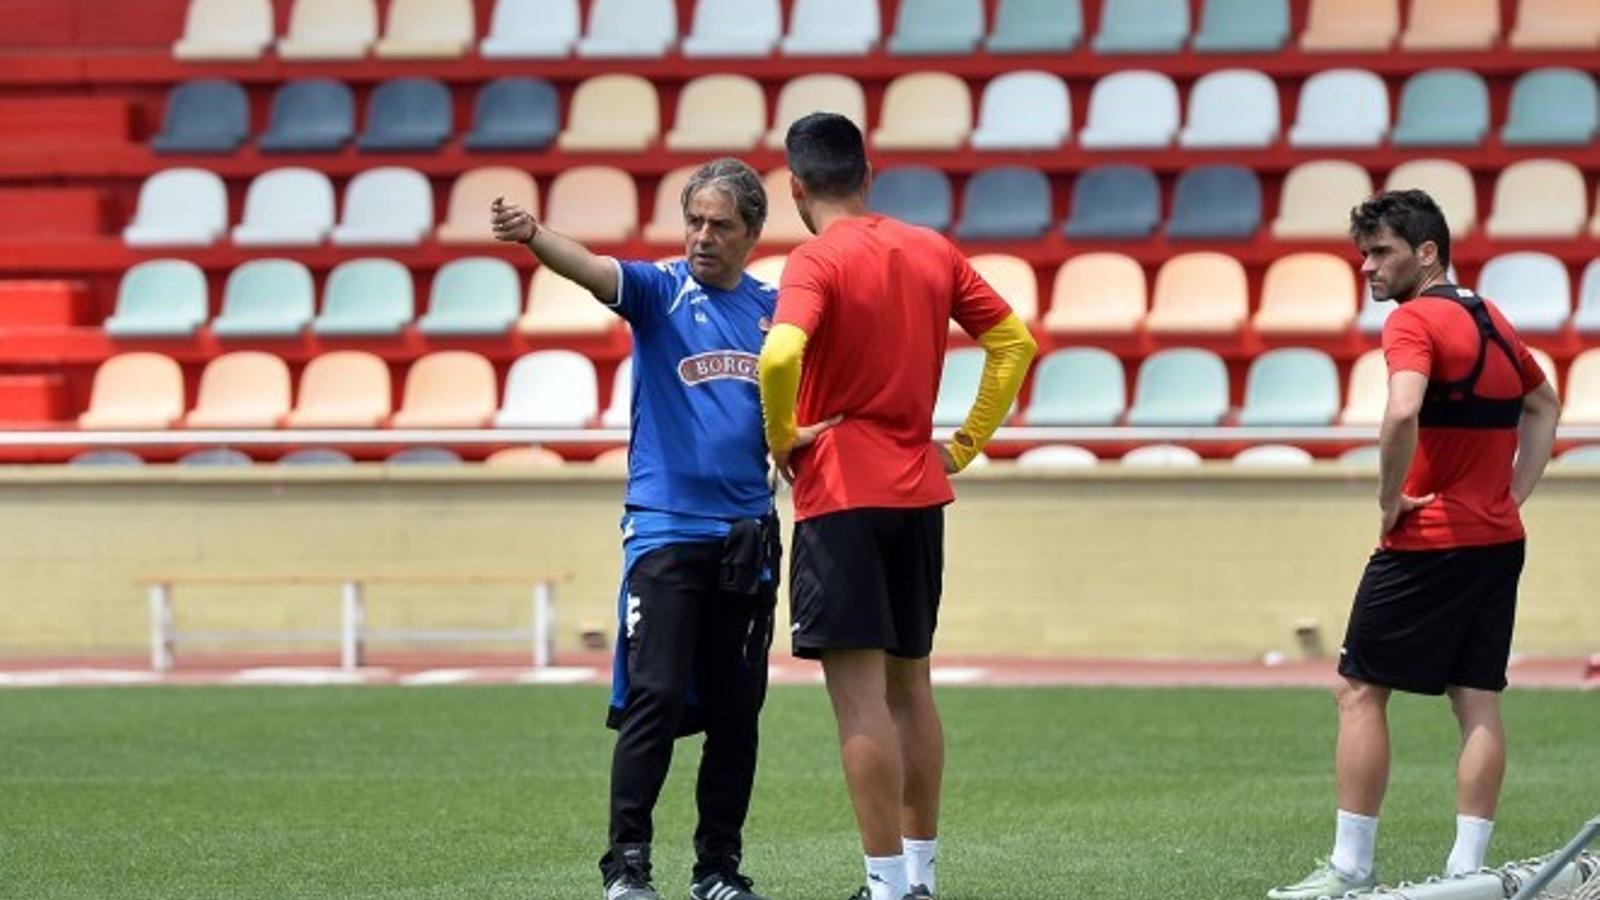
(742, 185)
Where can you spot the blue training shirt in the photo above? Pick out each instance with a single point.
(698, 447)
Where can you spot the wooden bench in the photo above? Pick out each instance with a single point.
(353, 633)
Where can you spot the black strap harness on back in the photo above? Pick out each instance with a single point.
(1456, 404)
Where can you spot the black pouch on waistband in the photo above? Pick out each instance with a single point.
(743, 557)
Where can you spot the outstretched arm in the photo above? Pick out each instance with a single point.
(1008, 349)
(565, 256)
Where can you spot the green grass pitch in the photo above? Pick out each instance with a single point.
(499, 792)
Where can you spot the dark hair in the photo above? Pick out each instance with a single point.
(742, 185)
(827, 154)
(1411, 214)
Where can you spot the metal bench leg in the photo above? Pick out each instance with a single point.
(161, 627)
(353, 620)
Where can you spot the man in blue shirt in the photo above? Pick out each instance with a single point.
(700, 539)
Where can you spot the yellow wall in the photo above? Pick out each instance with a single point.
(1216, 564)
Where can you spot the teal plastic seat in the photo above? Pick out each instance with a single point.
(1242, 26)
(1553, 107)
(160, 298)
(1036, 26)
(366, 297)
(937, 28)
(1291, 387)
(1078, 386)
(1443, 108)
(1586, 456)
(266, 298)
(1142, 26)
(1531, 289)
(958, 387)
(476, 295)
(1181, 386)
(1587, 317)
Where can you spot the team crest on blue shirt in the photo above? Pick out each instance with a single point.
(716, 366)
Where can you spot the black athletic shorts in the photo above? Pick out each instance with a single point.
(867, 579)
(1425, 620)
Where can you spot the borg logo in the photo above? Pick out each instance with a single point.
(718, 364)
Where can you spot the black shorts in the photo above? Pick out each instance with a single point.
(1425, 620)
(866, 579)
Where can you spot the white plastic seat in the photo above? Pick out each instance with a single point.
(1130, 109)
(330, 29)
(1531, 289)
(1450, 184)
(1232, 108)
(1057, 456)
(179, 208)
(427, 29)
(1368, 390)
(729, 28)
(549, 389)
(531, 29)
(1341, 108)
(1273, 456)
(286, 207)
(389, 205)
(832, 28)
(225, 29)
(719, 112)
(1024, 111)
(630, 28)
(1161, 456)
(619, 412)
(1317, 198)
(1538, 198)
(823, 92)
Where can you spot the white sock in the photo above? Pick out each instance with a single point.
(920, 859)
(886, 877)
(1354, 843)
(1472, 842)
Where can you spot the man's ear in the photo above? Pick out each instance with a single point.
(795, 189)
(1428, 253)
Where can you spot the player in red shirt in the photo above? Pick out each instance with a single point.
(868, 305)
(1466, 434)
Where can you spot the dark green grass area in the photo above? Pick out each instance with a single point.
(223, 793)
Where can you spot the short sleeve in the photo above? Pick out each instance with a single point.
(1532, 373)
(976, 306)
(803, 292)
(644, 290)
(1407, 346)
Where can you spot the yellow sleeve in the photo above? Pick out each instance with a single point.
(1008, 350)
(778, 372)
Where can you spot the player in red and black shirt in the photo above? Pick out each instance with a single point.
(1466, 434)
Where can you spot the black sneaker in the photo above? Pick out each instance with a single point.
(919, 892)
(630, 879)
(724, 886)
(864, 893)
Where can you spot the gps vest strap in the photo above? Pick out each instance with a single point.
(1456, 404)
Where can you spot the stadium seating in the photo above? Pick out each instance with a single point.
(1215, 202)
(1292, 386)
(330, 29)
(1013, 279)
(1142, 26)
(936, 28)
(1373, 314)
(525, 457)
(1587, 317)
(784, 225)
(1242, 26)
(1026, 110)
(612, 112)
(389, 205)
(366, 298)
(592, 203)
(1556, 25)
(514, 114)
(1036, 26)
(1097, 293)
(1055, 457)
(316, 456)
(344, 389)
(619, 411)
(1547, 365)
(1531, 289)
(428, 29)
(207, 115)
(550, 389)
(475, 295)
(1452, 25)
(472, 196)
(1341, 108)
(1079, 386)
(1198, 293)
(134, 391)
(424, 456)
(286, 207)
(615, 459)
(1180, 386)
(106, 457)
(630, 28)
(1368, 26)
(768, 269)
(1448, 183)
(1114, 201)
(1273, 456)
(719, 112)
(1317, 197)
(823, 92)
(924, 111)
(1553, 107)
(1368, 390)
(1231, 108)
(558, 306)
(1586, 456)
(1131, 109)
(666, 222)
(1442, 108)
(734, 28)
(215, 458)
(160, 298)
(1005, 203)
(1161, 456)
(531, 29)
(408, 114)
(1307, 293)
(1582, 406)
(179, 208)
(1363, 459)
(266, 298)
(225, 30)
(832, 28)
(958, 386)
(247, 389)
(448, 389)
(310, 115)
(920, 195)
(1538, 198)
